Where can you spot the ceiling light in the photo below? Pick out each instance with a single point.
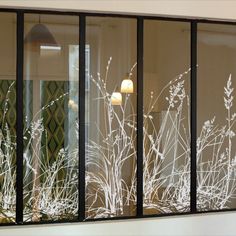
(116, 99)
(127, 85)
(39, 34)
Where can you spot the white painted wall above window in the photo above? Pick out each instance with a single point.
(222, 9)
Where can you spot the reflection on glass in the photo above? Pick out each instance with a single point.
(166, 140)
(110, 118)
(7, 118)
(51, 117)
(216, 144)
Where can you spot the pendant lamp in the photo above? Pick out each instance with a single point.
(116, 98)
(40, 35)
(127, 85)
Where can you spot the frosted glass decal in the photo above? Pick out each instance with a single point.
(216, 157)
(166, 163)
(110, 157)
(7, 151)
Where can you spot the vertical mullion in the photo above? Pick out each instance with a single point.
(193, 168)
(139, 116)
(81, 118)
(19, 120)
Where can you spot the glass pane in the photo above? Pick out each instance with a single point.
(110, 117)
(166, 140)
(51, 117)
(216, 144)
(7, 117)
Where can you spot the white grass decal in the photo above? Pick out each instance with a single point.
(50, 187)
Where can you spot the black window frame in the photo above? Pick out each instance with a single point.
(81, 182)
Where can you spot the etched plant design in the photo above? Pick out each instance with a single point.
(50, 186)
(108, 193)
(216, 175)
(7, 165)
(167, 183)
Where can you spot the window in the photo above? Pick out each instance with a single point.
(123, 116)
(111, 140)
(216, 186)
(7, 118)
(166, 133)
(51, 118)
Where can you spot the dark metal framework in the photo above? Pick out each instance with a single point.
(140, 117)
(19, 121)
(81, 157)
(81, 183)
(193, 122)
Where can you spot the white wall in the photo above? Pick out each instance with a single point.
(204, 225)
(207, 224)
(224, 9)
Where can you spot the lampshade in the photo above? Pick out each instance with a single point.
(127, 86)
(116, 99)
(72, 105)
(39, 34)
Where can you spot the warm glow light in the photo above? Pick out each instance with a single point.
(49, 50)
(127, 86)
(72, 105)
(48, 47)
(116, 99)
